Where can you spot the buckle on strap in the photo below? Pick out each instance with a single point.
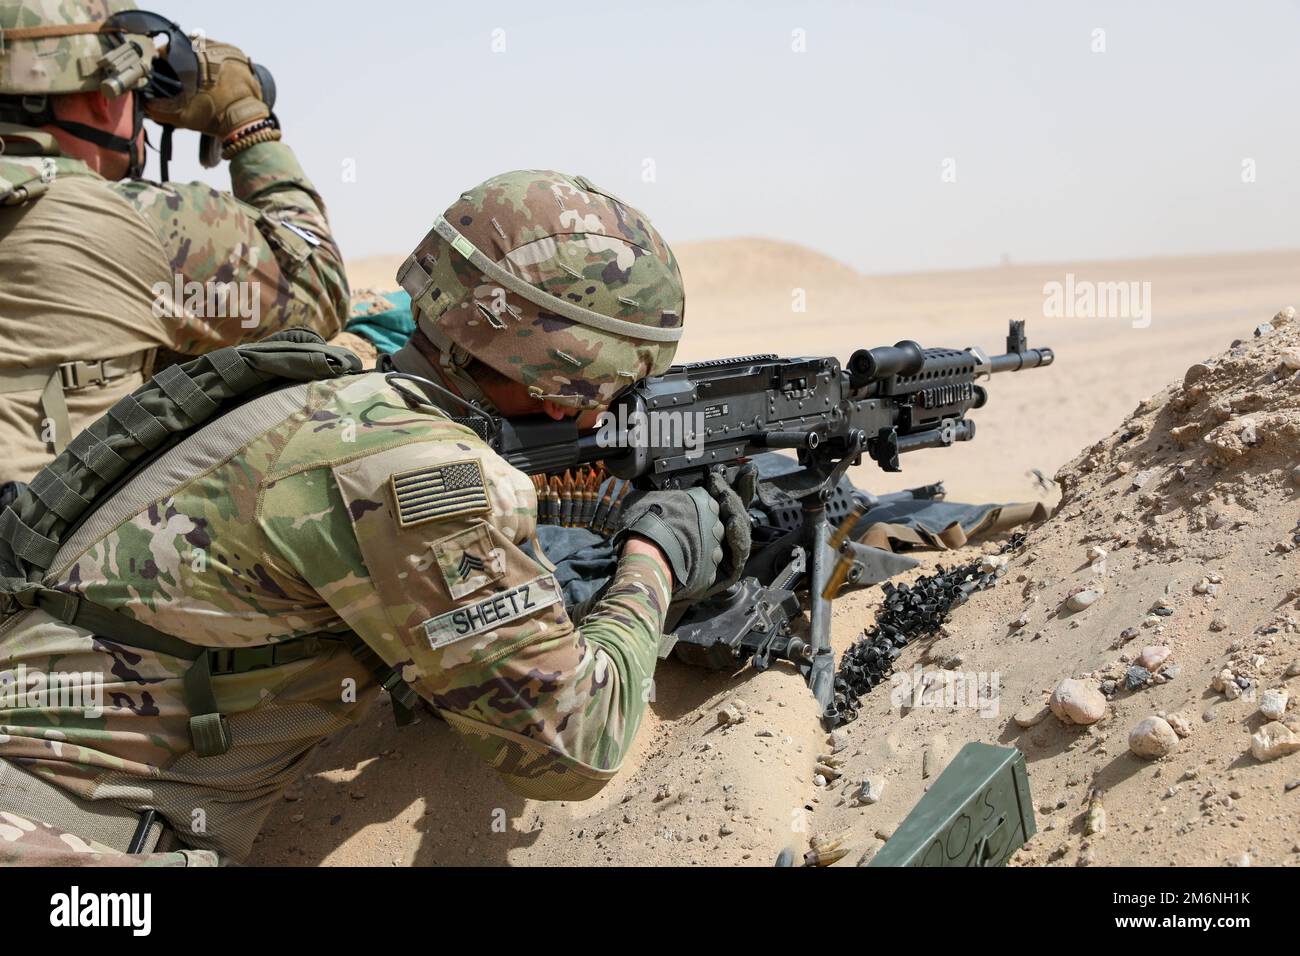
(76, 375)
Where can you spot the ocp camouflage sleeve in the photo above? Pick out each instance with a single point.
(438, 585)
(271, 235)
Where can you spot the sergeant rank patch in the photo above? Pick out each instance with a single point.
(438, 492)
(492, 612)
(469, 560)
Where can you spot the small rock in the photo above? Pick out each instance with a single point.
(993, 564)
(1195, 373)
(1074, 702)
(1272, 703)
(838, 740)
(1144, 477)
(1153, 738)
(730, 715)
(871, 791)
(664, 792)
(1136, 678)
(1153, 656)
(726, 830)
(1273, 740)
(819, 781)
(1031, 716)
(1096, 554)
(1084, 598)
(1180, 724)
(1291, 359)
(1285, 317)
(1222, 680)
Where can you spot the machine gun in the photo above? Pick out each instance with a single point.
(669, 432)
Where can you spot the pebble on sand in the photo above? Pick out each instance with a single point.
(1153, 738)
(1084, 598)
(1031, 715)
(871, 791)
(1273, 740)
(1181, 725)
(1074, 702)
(1272, 703)
(1153, 656)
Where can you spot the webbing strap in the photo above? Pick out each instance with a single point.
(142, 426)
(403, 698)
(76, 611)
(209, 728)
(92, 452)
(185, 392)
(234, 371)
(57, 496)
(55, 407)
(46, 31)
(25, 543)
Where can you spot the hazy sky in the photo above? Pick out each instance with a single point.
(705, 116)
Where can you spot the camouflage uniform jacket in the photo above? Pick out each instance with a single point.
(310, 509)
(92, 270)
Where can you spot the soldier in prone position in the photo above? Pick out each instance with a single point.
(353, 504)
(101, 270)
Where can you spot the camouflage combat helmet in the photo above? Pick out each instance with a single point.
(53, 47)
(550, 281)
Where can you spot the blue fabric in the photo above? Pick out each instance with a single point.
(387, 331)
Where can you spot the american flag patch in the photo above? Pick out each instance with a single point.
(440, 491)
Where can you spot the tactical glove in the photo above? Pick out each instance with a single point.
(691, 527)
(734, 500)
(686, 526)
(229, 95)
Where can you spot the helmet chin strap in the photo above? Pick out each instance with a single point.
(414, 361)
(106, 140)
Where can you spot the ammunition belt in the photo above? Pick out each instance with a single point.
(591, 499)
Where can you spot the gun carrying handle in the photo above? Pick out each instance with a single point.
(985, 852)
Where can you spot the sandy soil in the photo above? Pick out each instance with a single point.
(697, 793)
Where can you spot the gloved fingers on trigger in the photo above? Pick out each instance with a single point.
(746, 483)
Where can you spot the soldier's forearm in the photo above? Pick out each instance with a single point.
(627, 623)
(269, 177)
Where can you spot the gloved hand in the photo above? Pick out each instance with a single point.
(734, 500)
(686, 526)
(691, 528)
(229, 94)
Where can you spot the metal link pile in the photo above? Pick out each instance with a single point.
(909, 612)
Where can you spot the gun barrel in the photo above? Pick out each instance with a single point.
(1018, 361)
